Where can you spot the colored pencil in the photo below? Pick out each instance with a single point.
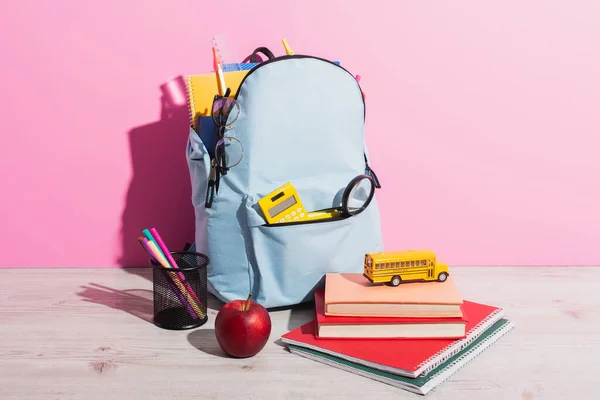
(169, 279)
(177, 282)
(161, 245)
(162, 261)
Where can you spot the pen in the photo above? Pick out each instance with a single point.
(219, 71)
(149, 237)
(162, 246)
(143, 242)
(288, 50)
(363, 93)
(177, 282)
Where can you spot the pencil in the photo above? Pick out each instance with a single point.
(219, 71)
(161, 244)
(169, 280)
(153, 249)
(154, 237)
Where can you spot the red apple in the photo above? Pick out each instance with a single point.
(242, 328)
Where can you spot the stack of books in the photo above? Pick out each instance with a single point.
(413, 336)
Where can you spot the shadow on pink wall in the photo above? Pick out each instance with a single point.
(159, 193)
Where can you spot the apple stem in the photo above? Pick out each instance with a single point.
(247, 305)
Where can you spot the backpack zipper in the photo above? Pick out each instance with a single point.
(291, 56)
(369, 171)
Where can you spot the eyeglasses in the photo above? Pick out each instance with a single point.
(358, 195)
(228, 150)
(225, 111)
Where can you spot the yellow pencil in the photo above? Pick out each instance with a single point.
(288, 50)
(219, 70)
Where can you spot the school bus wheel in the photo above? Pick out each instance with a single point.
(395, 281)
(442, 277)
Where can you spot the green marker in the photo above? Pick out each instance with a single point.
(149, 236)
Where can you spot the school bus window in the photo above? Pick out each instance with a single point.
(412, 263)
(397, 264)
(402, 264)
(423, 262)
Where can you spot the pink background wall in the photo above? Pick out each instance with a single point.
(483, 121)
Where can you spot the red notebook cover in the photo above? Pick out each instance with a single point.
(322, 319)
(408, 357)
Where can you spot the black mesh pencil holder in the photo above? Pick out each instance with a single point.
(180, 295)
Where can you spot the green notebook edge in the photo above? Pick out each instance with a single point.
(424, 383)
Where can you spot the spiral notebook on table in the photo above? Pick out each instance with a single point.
(407, 357)
(421, 384)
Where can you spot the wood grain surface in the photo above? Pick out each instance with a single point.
(87, 334)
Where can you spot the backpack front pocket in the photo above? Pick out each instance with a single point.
(288, 261)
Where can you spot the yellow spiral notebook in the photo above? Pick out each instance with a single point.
(201, 90)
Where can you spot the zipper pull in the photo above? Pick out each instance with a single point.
(372, 174)
(210, 188)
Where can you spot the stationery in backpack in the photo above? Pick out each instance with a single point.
(201, 90)
(421, 384)
(407, 357)
(348, 294)
(385, 327)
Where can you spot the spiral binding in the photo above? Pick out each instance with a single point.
(191, 105)
(461, 361)
(444, 354)
(435, 380)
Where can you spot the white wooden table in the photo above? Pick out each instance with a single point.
(86, 334)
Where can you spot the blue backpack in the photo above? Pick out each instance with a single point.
(298, 119)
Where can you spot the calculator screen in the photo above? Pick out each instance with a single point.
(287, 203)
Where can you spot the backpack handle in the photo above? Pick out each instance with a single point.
(264, 50)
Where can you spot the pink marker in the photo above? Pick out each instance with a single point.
(363, 93)
(163, 247)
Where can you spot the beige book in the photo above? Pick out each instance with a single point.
(354, 295)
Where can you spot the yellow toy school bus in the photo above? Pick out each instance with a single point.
(408, 265)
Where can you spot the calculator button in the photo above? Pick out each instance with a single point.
(299, 209)
(296, 219)
(293, 213)
(287, 217)
(282, 220)
(302, 215)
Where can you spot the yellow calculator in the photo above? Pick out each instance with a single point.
(283, 205)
